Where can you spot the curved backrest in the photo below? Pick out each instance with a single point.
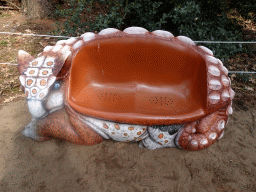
(138, 80)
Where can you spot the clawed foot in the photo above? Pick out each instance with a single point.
(199, 135)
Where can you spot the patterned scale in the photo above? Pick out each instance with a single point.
(39, 77)
(118, 131)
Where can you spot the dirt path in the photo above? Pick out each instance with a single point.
(26, 165)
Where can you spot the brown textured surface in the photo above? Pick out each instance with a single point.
(64, 70)
(59, 61)
(58, 125)
(156, 80)
(206, 123)
(203, 128)
(138, 80)
(141, 79)
(23, 61)
(138, 84)
(89, 136)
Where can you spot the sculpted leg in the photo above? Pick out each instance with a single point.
(161, 137)
(199, 135)
(89, 136)
(58, 125)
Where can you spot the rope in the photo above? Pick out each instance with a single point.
(246, 72)
(238, 42)
(38, 35)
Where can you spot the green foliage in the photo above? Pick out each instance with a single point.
(243, 77)
(73, 16)
(115, 18)
(190, 18)
(189, 21)
(3, 43)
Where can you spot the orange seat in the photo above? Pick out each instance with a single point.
(138, 80)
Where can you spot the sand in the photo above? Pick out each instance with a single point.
(27, 165)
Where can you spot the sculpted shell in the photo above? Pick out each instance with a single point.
(131, 85)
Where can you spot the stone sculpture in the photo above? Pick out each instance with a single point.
(129, 86)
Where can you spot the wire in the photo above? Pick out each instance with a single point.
(249, 72)
(38, 35)
(238, 42)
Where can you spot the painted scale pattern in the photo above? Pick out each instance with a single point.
(151, 138)
(158, 139)
(41, 72)
(118, 131)
(39, 77)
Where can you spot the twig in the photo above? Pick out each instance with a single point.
(3, 7)
(13, 4)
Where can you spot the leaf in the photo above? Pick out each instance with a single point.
(8, 100)
(28, 31)
(233, 76)
(253, 80)
(249, 88)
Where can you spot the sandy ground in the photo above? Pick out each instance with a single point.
(26, 165)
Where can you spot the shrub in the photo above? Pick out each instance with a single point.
(188, 18)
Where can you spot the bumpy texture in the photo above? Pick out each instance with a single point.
(41, 72)
(38, 75)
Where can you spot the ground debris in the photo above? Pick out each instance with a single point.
(10, 99)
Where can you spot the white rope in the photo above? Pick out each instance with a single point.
(10, 33)
(248, 72)
(238, 42)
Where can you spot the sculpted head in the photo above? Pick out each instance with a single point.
(40, 81)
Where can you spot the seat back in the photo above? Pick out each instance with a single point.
(138, 80)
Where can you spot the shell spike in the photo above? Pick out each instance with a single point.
(23, 61)
(23, 53)
(66, 52)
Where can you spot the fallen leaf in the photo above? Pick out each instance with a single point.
(253, 80)
(4, 69)
(28, 31)
(249, 88)
(44, 44)
(8, 100)
(233, 76)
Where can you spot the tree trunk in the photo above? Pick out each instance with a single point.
(37, 8)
